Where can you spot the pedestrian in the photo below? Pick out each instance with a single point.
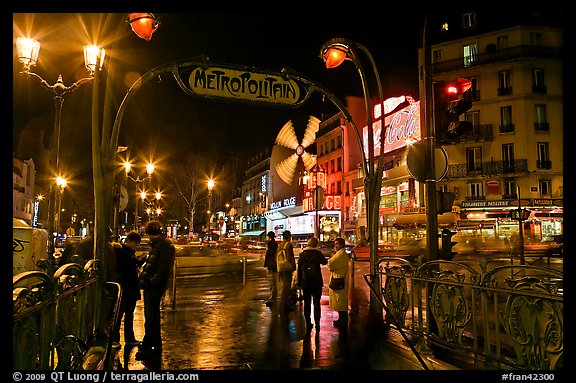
(127, 265)
(310, 281)
(154, 280)
(85, 248)
(338, 266)
(285, 277)
(270, 265)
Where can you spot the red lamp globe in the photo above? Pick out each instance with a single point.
(143, 24)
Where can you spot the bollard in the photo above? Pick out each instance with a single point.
(174, 284)
(244, 270)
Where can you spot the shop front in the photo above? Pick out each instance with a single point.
(494, 219)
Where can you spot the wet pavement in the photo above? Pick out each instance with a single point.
(220, 322)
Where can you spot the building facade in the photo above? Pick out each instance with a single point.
(514, 153)
(24, 206)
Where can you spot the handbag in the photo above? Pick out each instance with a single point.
(337, 283)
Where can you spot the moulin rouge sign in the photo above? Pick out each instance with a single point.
(402, 126)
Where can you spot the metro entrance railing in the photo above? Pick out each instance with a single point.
(503, 317)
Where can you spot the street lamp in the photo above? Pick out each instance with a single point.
(28, 51)
(210, 184)
(334, 52)
(61, 183)
(149, 170)
(143, 24)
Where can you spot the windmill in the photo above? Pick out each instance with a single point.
(286, 162)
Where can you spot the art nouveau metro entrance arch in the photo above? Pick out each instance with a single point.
(200, 78)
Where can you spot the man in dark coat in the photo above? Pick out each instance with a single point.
(270, 265)
(310, 280)
(154, 280)
(127, 267)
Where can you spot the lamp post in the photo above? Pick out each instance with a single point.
(61, 183)
(139, 193)
(334, 52)
(28, 51)
(210, 184)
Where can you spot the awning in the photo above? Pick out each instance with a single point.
(406, 221)
(257, 233)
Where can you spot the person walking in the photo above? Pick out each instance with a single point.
(285, 277)
(127, 266)
(338, 266)
(310, 281)
(270, 265)
(154, 280)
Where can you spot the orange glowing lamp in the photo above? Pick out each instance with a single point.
(334, 56)
(143, 24)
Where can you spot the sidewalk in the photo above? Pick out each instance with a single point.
(220, 324)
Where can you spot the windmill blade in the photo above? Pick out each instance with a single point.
(287, 136)
(310, 133)
(287, 168)
(309, 160)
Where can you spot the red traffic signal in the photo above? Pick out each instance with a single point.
(449, 104)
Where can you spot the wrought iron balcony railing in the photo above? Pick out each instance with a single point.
(489, 168)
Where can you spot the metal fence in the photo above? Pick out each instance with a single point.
(57, 321)
(503, 317)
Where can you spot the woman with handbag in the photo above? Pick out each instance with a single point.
(338, 298)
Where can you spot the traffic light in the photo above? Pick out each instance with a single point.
(447, 244)
(450, 102)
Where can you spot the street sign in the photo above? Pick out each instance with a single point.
(417, 162)
(318, 197)
(123, 198)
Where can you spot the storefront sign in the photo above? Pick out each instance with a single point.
(283, 203)
(402, 126)
(303, 224)
(495, 203)
(548, 202)
(244, 85)
(331, 202)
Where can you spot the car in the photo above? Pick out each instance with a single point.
(143, 248)
(298, 247)
(362, 250)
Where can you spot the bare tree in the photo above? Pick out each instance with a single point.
(189, 182)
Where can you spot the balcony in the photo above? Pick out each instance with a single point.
(544, 164)
(542, 126)
(513, 53)
(487, 169)
(507, 91)
(509, 128)
(541, 89)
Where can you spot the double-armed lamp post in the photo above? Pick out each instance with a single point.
(140, 193)
(334, 52)
(28, 51)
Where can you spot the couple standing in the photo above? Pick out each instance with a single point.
(309, 277)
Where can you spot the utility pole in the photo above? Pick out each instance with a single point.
(426, 110)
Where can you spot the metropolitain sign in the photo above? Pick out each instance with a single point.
(245, 85)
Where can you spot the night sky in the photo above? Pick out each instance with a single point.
(163, 123)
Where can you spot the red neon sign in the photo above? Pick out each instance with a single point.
(402, 126)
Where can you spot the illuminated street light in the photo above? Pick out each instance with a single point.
(61, 183)
(210, 184)
(28, 51)
(149, 171)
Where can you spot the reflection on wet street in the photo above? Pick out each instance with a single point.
(220, 324)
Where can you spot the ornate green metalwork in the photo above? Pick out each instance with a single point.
(450, 306)
(534, 323)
